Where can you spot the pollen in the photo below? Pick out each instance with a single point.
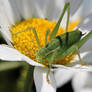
(25, 42)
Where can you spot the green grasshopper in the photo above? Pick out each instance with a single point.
(62, 45)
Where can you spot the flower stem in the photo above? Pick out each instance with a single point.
(28, 85)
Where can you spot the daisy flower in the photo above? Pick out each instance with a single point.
(16, 16)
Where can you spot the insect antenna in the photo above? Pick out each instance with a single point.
(46, 36)
(29, 53)
(34, 44)
(67, 23)
(36, 37)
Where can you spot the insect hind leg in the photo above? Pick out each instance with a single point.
(67, 23)
(78, 53)
(51, 60)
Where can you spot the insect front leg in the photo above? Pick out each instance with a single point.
(50, 61)
(78, 53)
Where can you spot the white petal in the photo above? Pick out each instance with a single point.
(85, 56)
(62, 76)
(77, 14)
(79, 80)
(86, 90)
(74, 6)
(41, 82)
(5, 28)
(82, 80)
(87, 7)
(38, 12)
(15, 5)
(9, 54)
(4, 24)
(87, 22)
(82, 68)
(7, 10)
(53, 8)
(75, 67)
(31, 62)
(29, 8)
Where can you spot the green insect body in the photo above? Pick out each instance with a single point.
(59, 45)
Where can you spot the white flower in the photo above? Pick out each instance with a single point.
(14, 10)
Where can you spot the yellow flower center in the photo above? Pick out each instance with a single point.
(25, 41)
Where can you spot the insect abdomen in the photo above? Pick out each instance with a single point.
(62, 40)
(72, 38)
